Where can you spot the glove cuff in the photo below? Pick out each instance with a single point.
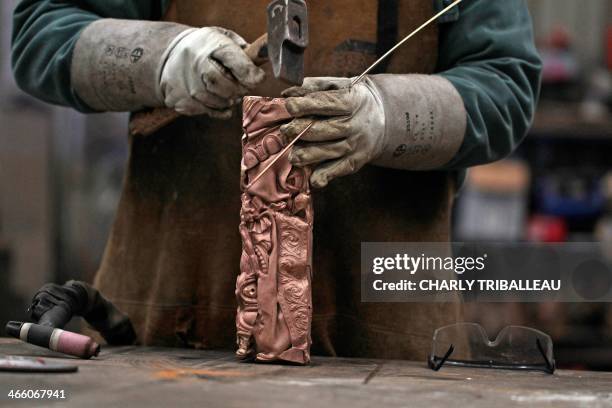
(116, 64)
(425, 121)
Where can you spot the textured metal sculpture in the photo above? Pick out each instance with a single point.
(274, 286)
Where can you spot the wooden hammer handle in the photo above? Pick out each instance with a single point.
(257, 51)
(144, 123)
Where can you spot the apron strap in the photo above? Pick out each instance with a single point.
(387, 30)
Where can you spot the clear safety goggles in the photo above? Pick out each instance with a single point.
(516, 348)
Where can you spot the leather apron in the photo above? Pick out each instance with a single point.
(173, 254)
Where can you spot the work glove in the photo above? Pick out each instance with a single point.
(207, 71)
(128, 65)
(410, 122)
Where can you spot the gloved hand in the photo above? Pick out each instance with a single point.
(127, 65)
(348, 130)
(207, 71)
(411, 122)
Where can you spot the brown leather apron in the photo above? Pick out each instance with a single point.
(173, 255)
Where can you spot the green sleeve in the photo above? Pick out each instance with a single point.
(489, 55)
(44, 34)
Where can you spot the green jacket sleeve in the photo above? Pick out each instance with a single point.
(489, 55)
(44, 34)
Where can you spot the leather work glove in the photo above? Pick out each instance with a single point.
(348, 131)
(411, 122)
(207, 71)
(127, 65)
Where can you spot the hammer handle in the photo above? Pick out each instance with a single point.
(147, 122)
(257, 51)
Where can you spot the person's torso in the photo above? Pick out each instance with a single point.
(346, 36)
(174, 251)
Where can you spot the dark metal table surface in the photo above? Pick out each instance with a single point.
(150, 376)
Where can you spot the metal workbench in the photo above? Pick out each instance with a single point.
(147, 377)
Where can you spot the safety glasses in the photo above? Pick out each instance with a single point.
(515, 348)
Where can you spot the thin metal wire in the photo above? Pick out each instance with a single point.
(283, 152)
(399, 44)
(355, 81)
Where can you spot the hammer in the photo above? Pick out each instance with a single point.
(283, 45)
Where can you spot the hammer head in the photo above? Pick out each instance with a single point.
(287, 39)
